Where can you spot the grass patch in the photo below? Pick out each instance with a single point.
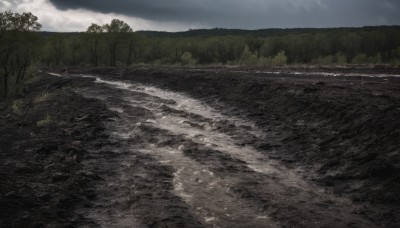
(42, 98)
(17, 107)
(44, 122)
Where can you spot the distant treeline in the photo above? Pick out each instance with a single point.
(115, 44)
(108, 46)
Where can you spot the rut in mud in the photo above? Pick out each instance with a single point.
(176, 161)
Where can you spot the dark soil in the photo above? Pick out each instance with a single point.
(344, 131)
(42, 177)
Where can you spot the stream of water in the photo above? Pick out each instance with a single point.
(212, 154)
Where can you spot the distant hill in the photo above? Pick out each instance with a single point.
(45, 33)
(259, 32)
(243, 32)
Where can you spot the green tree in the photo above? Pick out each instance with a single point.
(377, 59)
(58, 47)
(247, 57)
(351, 43)
(280, 59)
(255, 45)
(325, 60)
(134, 47)
(74, 44)
(268, 48)
(265, 61)
(25, 22)
(187, 59)
(360, 59)
(17, 47)
(92, 37)
(340, 58)
(114, 33)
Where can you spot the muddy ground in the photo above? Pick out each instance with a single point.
(185, 147)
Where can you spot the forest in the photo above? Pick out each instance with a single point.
(23, 47)
(119, 46)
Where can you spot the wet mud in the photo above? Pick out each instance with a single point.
(180, 147)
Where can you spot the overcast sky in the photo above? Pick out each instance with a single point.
(180, 15)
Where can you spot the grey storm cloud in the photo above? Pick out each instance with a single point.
(250, 13)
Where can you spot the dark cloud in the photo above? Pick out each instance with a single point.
(250, 13)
